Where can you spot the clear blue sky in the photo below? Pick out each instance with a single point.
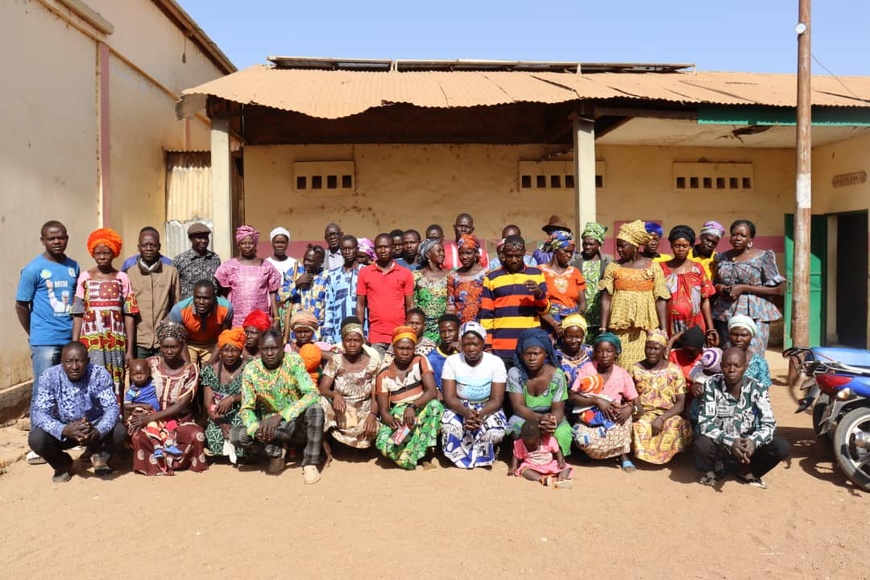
(734, 35)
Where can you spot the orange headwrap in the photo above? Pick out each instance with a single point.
(233, 336)
(105, 237)
(404, 332)
(259, 320)
(311, 356)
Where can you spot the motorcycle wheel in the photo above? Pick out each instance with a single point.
(854, 461)
(818, 411)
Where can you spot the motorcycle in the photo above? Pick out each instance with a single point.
(837, 386)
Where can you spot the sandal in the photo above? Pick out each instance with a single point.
(563, 484)
(750, 479)
(276, 465)
(100, 463)
(627, 466)
(709, 479)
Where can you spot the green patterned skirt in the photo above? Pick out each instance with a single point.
(423, 435)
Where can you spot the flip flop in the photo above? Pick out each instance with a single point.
(627, 466)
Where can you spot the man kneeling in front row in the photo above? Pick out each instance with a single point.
(76, 405)
(280, 404)
(736, 424)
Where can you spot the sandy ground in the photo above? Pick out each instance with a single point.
(368, 520)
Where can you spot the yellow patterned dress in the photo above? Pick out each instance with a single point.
(657, 391)
(633, 306)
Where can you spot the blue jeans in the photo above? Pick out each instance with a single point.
(43, 358)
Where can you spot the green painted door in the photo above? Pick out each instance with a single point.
(818, 278)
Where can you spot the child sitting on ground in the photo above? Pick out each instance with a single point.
(541, 458)
(141, 397)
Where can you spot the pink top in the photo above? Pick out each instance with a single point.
(618, 387)
(540, 456)
(249, 286)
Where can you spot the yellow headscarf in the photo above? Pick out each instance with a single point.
(574, 320)
(657, 336)
(634, 233)
(404, 332)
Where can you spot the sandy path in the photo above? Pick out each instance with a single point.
(369, 520)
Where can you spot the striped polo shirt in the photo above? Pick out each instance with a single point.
(507, 308)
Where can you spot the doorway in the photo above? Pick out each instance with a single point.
(852, 279)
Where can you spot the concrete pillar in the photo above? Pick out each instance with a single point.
(584, 173)
(221, 189)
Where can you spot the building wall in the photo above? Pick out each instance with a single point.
(415, 185)
(49, 157)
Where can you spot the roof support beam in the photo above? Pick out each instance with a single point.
(221, 187)
(584, 171)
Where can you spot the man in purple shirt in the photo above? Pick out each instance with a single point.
(76, 405)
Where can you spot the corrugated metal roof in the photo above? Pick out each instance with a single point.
(332, 94)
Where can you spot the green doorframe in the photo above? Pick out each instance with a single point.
(818, 279)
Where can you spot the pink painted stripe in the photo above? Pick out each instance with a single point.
(105, 142)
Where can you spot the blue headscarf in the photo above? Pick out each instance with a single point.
(654, 228)
(612, 339)
(557, 240)
(534, 337)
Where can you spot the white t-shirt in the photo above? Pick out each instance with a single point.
(474, 383)
(284, 266)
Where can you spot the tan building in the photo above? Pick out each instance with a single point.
(89, 93)
(376, 145)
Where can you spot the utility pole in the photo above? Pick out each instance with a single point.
(800, 312)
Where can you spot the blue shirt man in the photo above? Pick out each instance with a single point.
(45, 294)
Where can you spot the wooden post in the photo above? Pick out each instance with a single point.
(584, 173)
(800, 329)
(221, 188)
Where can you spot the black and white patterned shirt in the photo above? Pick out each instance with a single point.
(193, 267)
(725, 419)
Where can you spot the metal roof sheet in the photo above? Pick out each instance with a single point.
(333, 94)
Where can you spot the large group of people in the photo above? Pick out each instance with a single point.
(412, 345)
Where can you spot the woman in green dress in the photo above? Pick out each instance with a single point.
(430, 285)
(592, 263)
(222, 393)
(538, 388)
(406, 401)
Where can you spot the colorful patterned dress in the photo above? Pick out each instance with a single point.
(760, 270)
(311, 298)
(103, 306)
(556, 391)
(430, 295)
(424, 435)
(564, 290)
(600, 442)
(688, 292)
(592, 271)
(173, 386)
(356, 389)
(571, 365)
(250, 286)
(658, 391)
(214, 435)
(464, 293)
(633, 306)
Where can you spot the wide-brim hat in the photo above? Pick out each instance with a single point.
(556, 223)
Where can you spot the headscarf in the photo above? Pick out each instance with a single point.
(634, 233)
(711, 359)
(259, 320)
(557, 240)
(694, 337)
(473, 327)
(682, 232)
(574, 320)
(233, 336)
(169, 329)
(404, 332)
(612, 339)
(105, 237)
(594, 230)
(654, 228)
(243, 232)
(712, 227)
(423, 250)
(469, 240)
(351, 327)
(743, 321)
(534, 337)
(366, 246)
(304, 319)
(658, 336)
(279, 231)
